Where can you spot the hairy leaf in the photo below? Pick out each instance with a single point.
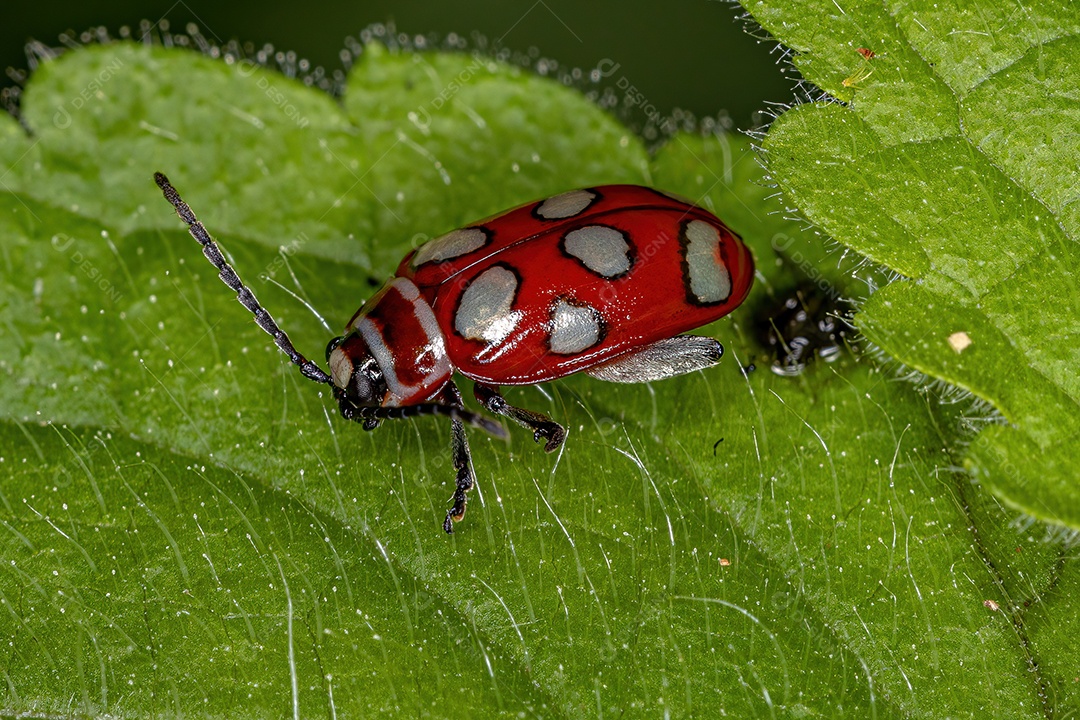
(951, 164)
(188, 528)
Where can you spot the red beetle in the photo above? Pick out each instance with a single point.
(602, 280)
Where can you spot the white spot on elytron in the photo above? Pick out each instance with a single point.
(565, 205)
(451, 245)
(341, 367)
(483, 312)
(710, 281)
(574, 328)
(602, 249)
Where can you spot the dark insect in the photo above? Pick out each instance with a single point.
(809, 323)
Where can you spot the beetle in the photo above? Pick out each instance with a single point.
(603, 280)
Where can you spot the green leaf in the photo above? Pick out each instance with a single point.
(187, 527)
(949, 165)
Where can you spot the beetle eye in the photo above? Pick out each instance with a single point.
(361, 387)
(331, 345)
(366, 386)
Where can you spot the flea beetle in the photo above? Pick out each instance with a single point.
(603, 280)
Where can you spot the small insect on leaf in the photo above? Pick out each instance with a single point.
(863, 72)
(808, 323)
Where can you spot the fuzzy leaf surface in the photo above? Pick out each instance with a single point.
(954, 163)
(188, 527)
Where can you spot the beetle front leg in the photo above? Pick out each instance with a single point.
(541, 425)
(459, 445)
(356, 414)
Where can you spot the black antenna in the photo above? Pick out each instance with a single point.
(228, 276)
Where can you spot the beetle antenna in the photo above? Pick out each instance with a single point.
(303, 302)
(228, 276)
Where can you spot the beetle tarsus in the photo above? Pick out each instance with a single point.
(457, 512)
(543, 427)
(465, 482)
(554, 433)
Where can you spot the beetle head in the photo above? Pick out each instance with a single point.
(355, 372)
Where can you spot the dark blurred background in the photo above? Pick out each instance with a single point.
(695, 55)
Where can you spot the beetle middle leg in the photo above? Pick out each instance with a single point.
(541, 425)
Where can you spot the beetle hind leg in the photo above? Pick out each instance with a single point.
(542, 426)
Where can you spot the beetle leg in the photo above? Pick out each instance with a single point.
(370, 417)
(541, 425)
(452, 405)
(349, 411)
(459, 445)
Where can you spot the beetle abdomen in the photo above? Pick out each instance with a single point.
(620, 267)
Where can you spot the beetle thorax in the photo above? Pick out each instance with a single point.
(393, 352)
